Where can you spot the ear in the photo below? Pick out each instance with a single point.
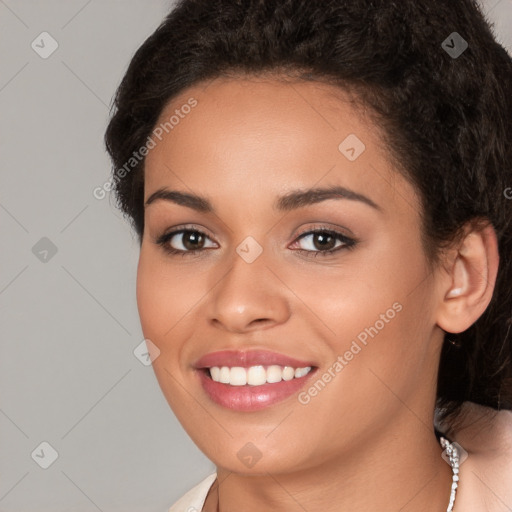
(468, 285)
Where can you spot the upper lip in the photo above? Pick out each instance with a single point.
(246, 358)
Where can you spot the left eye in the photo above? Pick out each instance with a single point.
(324, 241)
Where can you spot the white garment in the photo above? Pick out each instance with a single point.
(194, 499)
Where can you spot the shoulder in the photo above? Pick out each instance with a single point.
(193, 500)
(486, 474)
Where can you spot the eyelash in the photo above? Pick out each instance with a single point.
(348, 243)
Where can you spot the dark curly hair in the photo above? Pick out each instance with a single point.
(446, 119)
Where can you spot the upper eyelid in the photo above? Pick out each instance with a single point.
(180, 229)
(317, 226)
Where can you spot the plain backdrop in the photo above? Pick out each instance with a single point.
(73, 395)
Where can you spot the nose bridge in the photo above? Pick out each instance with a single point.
(248, 294)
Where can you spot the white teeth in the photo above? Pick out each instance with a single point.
(300, 372)
(274, 373)
(237, 376)
(256, 375)
(288, 373)
(215, 373)
(224, 375)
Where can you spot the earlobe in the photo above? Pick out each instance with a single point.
(470, 282)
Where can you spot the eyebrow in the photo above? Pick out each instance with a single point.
(290, 201)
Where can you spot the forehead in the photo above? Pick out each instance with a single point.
(250, 134)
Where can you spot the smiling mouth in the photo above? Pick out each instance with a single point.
(255, 375)
(252, 388)
(249, 380)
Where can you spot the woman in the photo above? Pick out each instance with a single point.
(321, 192)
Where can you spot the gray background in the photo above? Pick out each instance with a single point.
(68, 374)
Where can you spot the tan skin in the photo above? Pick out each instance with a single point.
(366, 441)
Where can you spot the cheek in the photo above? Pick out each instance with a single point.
(163, 295)
(386, 323)
(346, 298)
(151, 300)
(377, 299)
(161, 301)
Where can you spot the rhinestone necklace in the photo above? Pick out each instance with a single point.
(453, 456)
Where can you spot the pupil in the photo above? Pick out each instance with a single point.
(324, 240)
(191, 239)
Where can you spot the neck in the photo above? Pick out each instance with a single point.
(391, 472)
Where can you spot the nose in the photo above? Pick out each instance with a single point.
(248, 297)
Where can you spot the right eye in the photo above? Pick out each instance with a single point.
(183, 241)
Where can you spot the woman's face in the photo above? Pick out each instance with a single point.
(262, 285)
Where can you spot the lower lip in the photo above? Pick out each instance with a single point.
(250, 398)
